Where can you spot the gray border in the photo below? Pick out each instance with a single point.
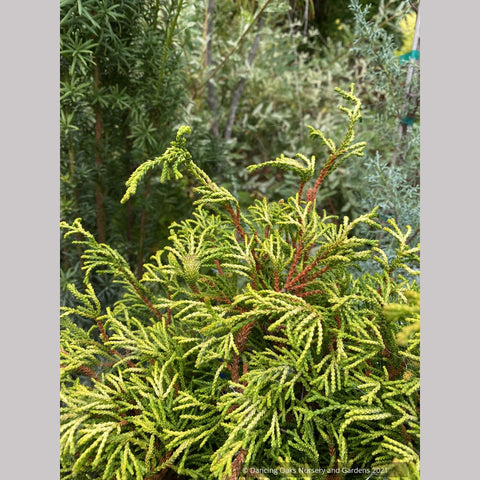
(29, 239)
(450, 245)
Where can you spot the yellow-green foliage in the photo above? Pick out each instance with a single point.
(407, 26)
(252, 341)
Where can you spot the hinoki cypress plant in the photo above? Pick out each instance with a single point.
(253, 343)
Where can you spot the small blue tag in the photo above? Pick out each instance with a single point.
(407, 121)
(412, 55)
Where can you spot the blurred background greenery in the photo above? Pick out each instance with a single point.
(248, 77)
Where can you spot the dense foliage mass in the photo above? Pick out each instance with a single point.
(248, 77)
(121, 90)
(254, 342)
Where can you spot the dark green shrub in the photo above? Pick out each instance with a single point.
(122, 89)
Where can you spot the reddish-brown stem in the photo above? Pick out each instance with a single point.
(240, 309)
(306, 282)
(98, 161)
(112, 351)
(223, 299)
(207, 280)
(305, 272)
(194, 288)
(236, 220)
(240, 341)
(237, 464)
(102, 330)
(405, 435)
(296, 258)
(397, 371)
(233, 367)
(144, 299)
(88, 372)
(245, 369)
(241, 337)
(299, 286)
(331, 450)
(131, 364)
(311, 194)
(320, 272)
(311, 292)
(258, 269)
(219, 268)
(275, 278)
(300, 190)
(148, 303)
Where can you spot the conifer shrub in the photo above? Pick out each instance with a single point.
(254, 345)
(121, 88)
